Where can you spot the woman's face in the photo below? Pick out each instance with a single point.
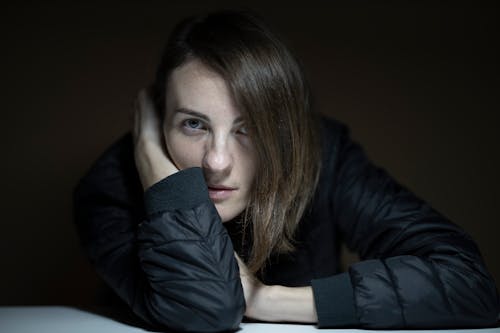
(203, 128)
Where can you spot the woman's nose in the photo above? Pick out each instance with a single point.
(218, 158)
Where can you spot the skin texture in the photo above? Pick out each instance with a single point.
(214, 138)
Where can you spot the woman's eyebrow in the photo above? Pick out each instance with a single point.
(239, 121)
(192, 113)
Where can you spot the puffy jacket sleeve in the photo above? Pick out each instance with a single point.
(172, 263)
(417, 269)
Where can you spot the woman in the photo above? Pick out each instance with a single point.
(226, 135)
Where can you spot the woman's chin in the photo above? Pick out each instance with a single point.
(227, 213)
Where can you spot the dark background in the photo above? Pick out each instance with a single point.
(417, 82)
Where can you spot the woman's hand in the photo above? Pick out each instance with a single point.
(253, 290)
(276, 303)
(151, 158)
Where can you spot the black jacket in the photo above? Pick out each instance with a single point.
(166, 253)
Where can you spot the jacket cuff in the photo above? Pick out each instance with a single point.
(334, 301)
(185, 189)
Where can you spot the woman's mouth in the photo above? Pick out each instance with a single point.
(219, 192)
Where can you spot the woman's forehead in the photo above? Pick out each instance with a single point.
(196, 87)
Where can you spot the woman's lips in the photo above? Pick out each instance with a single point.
(220, 193)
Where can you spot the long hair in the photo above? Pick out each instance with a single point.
(269, 88)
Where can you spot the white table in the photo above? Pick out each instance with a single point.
(58, 319)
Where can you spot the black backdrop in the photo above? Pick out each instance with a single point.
(417, 82)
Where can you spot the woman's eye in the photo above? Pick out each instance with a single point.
(243, 130)
(193, 124)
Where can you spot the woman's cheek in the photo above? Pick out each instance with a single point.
(183, 152)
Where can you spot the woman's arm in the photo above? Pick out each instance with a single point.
(170, 259)
(276, 303)
(418, 269)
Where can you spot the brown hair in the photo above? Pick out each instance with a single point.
(269, 88)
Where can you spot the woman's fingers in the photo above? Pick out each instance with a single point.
(146, 121)
(253, 288)
(248, 280)
(135, 120)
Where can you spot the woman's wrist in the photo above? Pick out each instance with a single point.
(152, 163)
(283, 304)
